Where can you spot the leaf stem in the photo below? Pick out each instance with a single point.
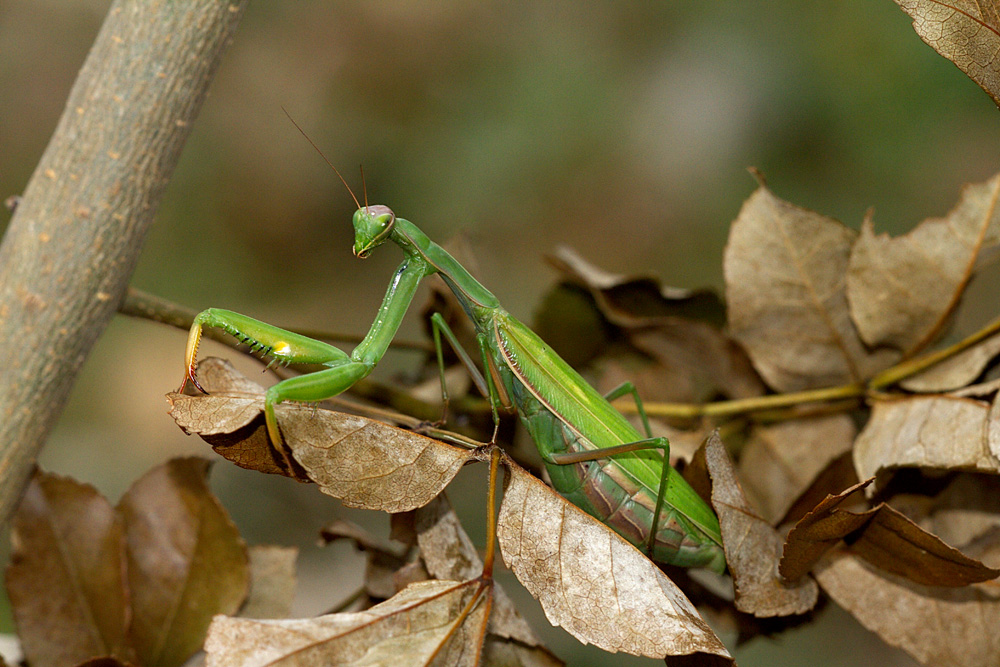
(491, 515)
(886, 378)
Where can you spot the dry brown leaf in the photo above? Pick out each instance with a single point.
(885, 538)
(66, 579)
(963, 31)
(272, 582)
(944, 627)
(186, 561)
(893, 543)
(636, 301)
(592, 582)
(422, 625)
(819, 531)
(785, 270)
(229, 417)
(903, 291)
(957, 371)
(941, 432)
(781, 461)
(753, 548)
(363, 462)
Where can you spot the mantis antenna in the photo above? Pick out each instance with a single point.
(364, 186)
(313, 144)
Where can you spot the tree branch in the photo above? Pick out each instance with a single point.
(75, 238)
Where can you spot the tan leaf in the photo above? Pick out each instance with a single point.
(819, 531)
(272, 581)
(963, 31)
(753, 548)
(429, 623)
(186, 560)
(781, 461)
(366, 463)
(785, 271)
(957, 371)
(592, 582)
(66, 579)
(885, 538)
(363, 462)
(904, 290)
(944, 627)
(926, 432)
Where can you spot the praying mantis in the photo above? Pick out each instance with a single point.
(595, 458)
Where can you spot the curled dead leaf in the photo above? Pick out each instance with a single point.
(753, 548)
(363, 462)
(894, 543)
(592, 582)
(885, 538)
(636, 301)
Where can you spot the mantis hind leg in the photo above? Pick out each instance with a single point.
(629, 388)
(661, 443)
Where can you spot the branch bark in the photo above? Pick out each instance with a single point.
(75, 238)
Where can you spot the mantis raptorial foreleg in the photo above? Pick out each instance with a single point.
(285, 347)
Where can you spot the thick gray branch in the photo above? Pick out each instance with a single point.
(73, 243)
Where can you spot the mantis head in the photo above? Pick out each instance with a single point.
(372, 227)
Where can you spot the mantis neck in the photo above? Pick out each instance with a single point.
(477, 301)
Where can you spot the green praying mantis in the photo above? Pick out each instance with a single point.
(595, 458)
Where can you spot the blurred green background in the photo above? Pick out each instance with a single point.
(623, 129)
